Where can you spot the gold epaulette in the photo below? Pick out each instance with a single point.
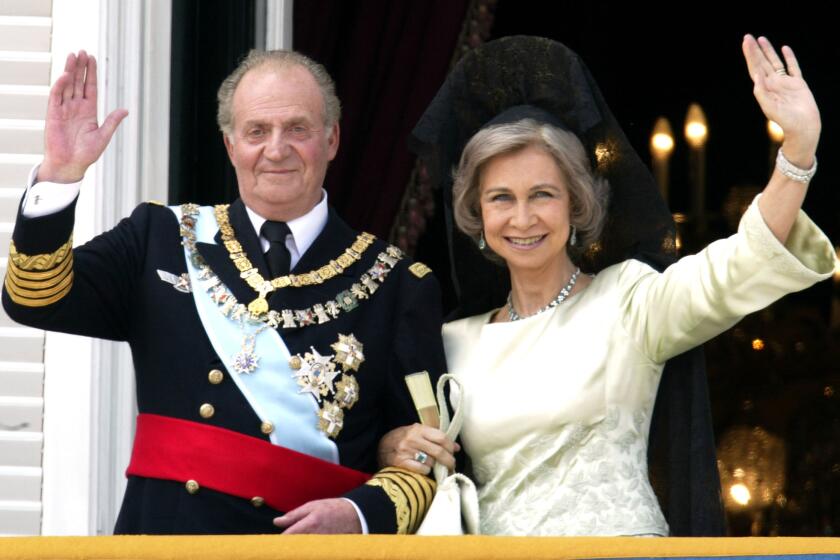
(411, 493)
(419, 269)
(40, 280)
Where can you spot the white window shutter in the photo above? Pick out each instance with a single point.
(25, 36)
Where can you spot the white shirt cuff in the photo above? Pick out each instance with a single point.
(44, 198)
(360, 514)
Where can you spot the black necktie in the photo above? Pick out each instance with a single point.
(277, 256)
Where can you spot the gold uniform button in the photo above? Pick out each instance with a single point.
(257, 501)
(215, 376)
(207, 410)
(294, 362)
(192, 486)
(267, 428)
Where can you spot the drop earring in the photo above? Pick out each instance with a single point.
(573, 239)
(481, 243)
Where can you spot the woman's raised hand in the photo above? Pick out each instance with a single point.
(73, 139)
(784, 97)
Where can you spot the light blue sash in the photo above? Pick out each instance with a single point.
(271, 390)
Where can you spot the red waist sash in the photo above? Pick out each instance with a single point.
(233, 463)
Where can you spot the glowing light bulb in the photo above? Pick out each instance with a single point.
(696, 128)
(740, 493)
(662, 140)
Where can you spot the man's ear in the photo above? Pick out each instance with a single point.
(333, 141)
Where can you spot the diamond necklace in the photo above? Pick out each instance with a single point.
(561, 297)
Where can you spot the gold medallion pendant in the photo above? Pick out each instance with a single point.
(258, 307)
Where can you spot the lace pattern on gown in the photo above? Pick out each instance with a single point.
(592, 482)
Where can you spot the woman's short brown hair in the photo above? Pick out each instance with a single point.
(587, 192)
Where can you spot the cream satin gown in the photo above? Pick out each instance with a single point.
(558, 406)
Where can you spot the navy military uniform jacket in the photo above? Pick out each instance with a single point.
(114, 292)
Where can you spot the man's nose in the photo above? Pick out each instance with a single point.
(277, 146)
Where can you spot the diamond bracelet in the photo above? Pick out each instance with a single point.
(792, 172)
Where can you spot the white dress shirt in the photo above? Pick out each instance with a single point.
(304, 230)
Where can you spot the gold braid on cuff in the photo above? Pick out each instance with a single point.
(40, 280)
(410, 492)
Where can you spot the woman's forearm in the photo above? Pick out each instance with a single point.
(783, 196)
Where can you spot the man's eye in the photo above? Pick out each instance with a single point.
(299, 129)
(255, 132)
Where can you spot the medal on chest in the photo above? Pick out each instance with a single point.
(326, 377)
(334, 390)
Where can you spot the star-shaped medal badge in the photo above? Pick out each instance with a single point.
(316, 374)
(348, 352)
(245, 361)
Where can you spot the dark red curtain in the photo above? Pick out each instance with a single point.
(388, 59)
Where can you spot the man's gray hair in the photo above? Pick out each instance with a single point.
(587, 192)
(277, 59)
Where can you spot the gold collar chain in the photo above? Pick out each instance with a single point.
(345, 301)
(253, 278)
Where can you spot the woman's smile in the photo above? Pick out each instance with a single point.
(526, 243)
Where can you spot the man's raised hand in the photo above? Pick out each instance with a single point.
(73, 139)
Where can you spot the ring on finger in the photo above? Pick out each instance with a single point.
(420, 457)
(781, 72)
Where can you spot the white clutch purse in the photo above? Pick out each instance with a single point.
(454, 509)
